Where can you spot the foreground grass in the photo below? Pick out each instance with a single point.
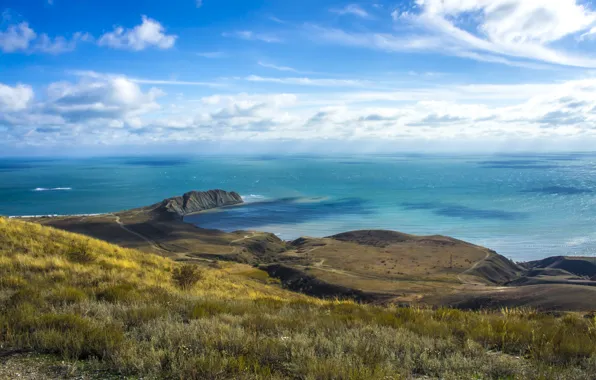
(84, 300)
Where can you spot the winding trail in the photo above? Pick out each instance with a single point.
(467, 282)
(152, 243)
(234, 249)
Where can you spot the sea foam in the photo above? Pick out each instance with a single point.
(252, 197)
(52, 189)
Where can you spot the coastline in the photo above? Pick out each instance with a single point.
(372, 265)
(53, 216)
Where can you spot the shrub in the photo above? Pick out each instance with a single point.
(186, 276)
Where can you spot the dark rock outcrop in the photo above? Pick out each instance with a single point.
(194, 201)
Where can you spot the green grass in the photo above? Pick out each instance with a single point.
(83, 300)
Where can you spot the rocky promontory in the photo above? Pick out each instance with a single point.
(193, 201)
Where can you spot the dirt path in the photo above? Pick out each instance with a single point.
(320, 263)
(234, 249)
(468, 282)
(152, 243)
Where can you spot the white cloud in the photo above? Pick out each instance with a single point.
(352, 9)
(515, 28)
(381, 41)
(167, 82)
(113, 109)
(590, 34)
(15, 98)
(149, 34)
(516, 22)
(276, 67)
(277, 20)
(511, 32)
(212, 54)
(88, 108)
(21, 37)
(59, 44)
(309, 81)
(109, 98)
(252, 36)
(199, 3)
(16, 37)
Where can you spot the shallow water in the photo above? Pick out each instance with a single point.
(525, 207)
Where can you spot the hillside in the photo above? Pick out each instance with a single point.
(559, 270)
(78, 307)
(390, 266)
(579, 266)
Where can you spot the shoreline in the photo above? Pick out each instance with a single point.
(54, 215)
(528, 256)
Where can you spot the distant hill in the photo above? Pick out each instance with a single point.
(579, 266)
(388, 266)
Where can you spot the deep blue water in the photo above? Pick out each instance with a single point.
(525, 207)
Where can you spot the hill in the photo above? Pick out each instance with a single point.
(390, 266)
(559, 270)
(71, 306)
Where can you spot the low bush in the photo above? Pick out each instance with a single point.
(186, 276)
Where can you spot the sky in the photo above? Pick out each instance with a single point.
(103, 77)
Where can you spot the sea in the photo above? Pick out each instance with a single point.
(524, 206)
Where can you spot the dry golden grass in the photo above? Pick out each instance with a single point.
(84, 300)
(408, 270)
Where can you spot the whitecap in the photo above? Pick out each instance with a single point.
(580, 240)
(252, 197)
(52, 189)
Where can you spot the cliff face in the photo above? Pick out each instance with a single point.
(195, 201)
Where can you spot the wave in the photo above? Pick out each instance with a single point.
(52, 189)
(252, 197)
(581, 240)
(50, 215)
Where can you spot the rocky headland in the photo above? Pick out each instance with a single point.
(193, 202)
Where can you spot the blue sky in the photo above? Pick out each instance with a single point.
(428, 75)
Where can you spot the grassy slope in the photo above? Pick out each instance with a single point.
(174, 239)
(403, 267)
(91, 302)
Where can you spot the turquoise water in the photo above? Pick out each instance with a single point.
(525, 207)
